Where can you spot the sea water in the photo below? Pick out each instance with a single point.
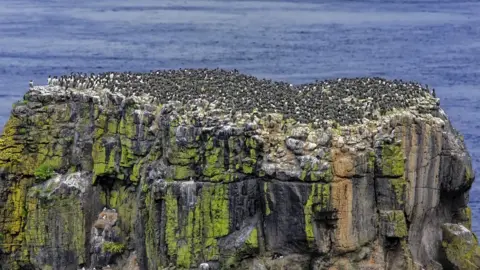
(433, 42)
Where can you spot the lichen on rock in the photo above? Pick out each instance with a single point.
(220, 169)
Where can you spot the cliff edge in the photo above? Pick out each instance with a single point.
(212, 169)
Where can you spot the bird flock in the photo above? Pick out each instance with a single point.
(344, 100)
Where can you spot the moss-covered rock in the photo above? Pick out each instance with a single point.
(185, 184)
(392, 162)
(393, 224)
(460, 246)
(112, 247)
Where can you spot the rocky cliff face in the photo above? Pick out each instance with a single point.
(96, 179)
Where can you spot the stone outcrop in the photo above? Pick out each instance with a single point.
(461, 247)
(97, 179)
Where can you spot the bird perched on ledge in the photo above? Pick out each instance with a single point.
(344, 100)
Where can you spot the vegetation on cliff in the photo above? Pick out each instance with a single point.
(96, 177)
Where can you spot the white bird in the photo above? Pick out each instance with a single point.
(204, 266)
(49, 80)
(30, 84)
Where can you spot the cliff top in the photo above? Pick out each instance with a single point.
(344, 100)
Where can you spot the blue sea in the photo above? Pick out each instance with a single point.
(435, 42)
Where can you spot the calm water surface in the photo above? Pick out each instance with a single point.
(434, 42)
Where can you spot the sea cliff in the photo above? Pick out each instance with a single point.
(92, 176)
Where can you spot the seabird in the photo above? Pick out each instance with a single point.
(30, 84)
(334, 99)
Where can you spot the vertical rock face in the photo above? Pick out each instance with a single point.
(100, 180)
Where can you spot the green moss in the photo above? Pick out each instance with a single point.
(462, 253)
(10, 149)
(184, 257)
(209, 144)
(193, 238)
(397, 219)
(145, 188)
(219, 211)
(112, 125)
(217, 170)
(325, 176)
(112, 247)
(127, 125)
(401, 228)
(183, 156)
(320, 198)
(100, 123)
(113, 200)
(252, 240)
(214, 202)
(127, 157)
(182, 172)
(214, 163)
(251, 143)
(224, 177)
(393, 163)
(15, 214)
(151, 241)
(247, 168)
(99, 158)
(44, 172)
(125, 203)
(66, 211)
(303, 175)
(135, 176)
(104, 162)
(253, 155)
(399, 185)
(310, 172)
(197, 233)
(171, 227)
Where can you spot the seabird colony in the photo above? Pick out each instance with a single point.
(345, 100)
